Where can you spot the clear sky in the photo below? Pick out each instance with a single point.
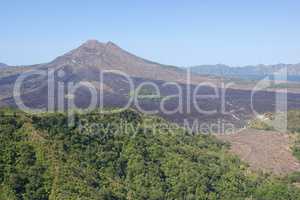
(168, 31)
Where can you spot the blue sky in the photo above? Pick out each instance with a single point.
(172, 32)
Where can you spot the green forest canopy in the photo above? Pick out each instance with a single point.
(43, 158)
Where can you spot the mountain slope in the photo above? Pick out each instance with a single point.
(86, 62)
(43, 158)
(83, 66)
(3, 65)
(109, 56)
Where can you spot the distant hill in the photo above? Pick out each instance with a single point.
(3, 65)
(248, 72)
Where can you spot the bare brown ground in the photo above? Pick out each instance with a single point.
(266, 151)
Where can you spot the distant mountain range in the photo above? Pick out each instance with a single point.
(248, 72)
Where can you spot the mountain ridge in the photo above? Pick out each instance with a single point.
(248, 70)
(3, 65)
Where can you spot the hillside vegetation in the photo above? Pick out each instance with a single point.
(293, 127)
(42, 157)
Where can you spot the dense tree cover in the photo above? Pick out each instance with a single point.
(121, 156)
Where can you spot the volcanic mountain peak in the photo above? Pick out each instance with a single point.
(96, 48)
(90, 52)
(96, 45)
(101, 55)
(94, 56)
(92, 44)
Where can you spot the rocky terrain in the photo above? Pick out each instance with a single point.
(84, 65)
(268, 151)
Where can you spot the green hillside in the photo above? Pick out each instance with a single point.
(118, 157)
